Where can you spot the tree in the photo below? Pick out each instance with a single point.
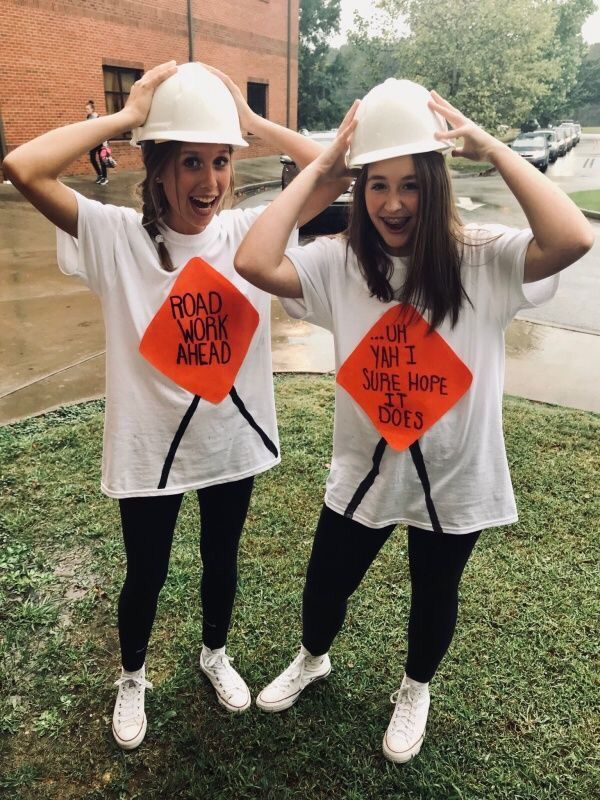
(584, 101)
(497, 62)
(318, 75)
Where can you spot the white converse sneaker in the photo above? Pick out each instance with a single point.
(232, 692)
(285, 689)
(406, 731)
(129, 719)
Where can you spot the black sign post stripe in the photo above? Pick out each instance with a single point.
(251, 421)
(419, 462)
(164, 476)
(368, 481)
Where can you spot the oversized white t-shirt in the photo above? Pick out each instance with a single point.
(159, 437)
(454, 476)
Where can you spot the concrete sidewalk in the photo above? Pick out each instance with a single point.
(52, 333)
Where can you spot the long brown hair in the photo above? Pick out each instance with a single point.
(152, 194)
(433, 281)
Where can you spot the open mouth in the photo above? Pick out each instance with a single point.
(395, 224)
(203, 203)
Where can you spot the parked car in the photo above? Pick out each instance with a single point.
(562, 141)
(335, 218)
(553, 143)
(569, 135)
(576, 126)
(534, 148)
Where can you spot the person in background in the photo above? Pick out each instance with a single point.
(94, 153)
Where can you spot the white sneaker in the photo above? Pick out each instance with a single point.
(232, 692)
(285, 689)
(129, 719)
(406, 731)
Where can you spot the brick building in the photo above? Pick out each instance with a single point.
(57, 54)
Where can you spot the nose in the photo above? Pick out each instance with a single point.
(393, 202)
(208, 178)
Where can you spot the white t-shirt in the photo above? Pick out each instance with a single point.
(463, 454)
(158, 437)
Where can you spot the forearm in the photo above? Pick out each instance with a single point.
(47, 156)
(556, 222)
(263, 247)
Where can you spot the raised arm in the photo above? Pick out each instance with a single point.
(300, 148)
(260, 258)
(561, 234)
(34, 167)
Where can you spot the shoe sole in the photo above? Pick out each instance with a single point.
(132, 743)
(289, 701)
(224, 703)
(405, 756)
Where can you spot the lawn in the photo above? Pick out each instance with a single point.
(514, 707)
(589, 199)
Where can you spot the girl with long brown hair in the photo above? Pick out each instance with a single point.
(417, 303)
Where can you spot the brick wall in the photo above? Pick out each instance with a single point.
(52, 52)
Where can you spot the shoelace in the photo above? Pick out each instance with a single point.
(405, 700)
(129, 695)
(291, 674)
(220, 665)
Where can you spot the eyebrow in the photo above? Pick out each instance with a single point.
(197, 152)
(385, 178)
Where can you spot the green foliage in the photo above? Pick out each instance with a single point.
(318, 73)
(497, 62)
(585, 97)
(514, 707)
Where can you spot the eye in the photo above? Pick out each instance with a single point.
(410, 186)
(191, 162)
(378, 187)
(221, 161)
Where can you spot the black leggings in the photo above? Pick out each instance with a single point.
(343, 551)
(97, 163)
(148, 526)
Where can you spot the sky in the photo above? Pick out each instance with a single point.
(590, 30)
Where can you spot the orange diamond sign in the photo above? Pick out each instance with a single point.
(200, 335)
(404, 378)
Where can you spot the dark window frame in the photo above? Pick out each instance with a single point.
(116, 99)
(259, 104)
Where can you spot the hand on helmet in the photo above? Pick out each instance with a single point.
(331, 164)
(477, 144)
(245, 113)
(140, 97)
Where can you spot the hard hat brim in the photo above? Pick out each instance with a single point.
(195, 137)
(424, 146)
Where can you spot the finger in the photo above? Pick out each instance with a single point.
(453, 133)
(350, 114)
(441, 100)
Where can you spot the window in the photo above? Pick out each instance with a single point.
(257, 97)
(117, 85)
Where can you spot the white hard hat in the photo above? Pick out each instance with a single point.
(395, 120)
(192, 106)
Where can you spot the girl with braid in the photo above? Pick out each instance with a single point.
(189, 390)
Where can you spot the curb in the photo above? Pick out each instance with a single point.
(250, 189)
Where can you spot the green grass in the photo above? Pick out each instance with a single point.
(589, 199)
(514, 711)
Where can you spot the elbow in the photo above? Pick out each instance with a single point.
(242, 267)
(583, 243)
(14, 169)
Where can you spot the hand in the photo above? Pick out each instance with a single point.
(331, 164)
(477, 144)
(140, 97)
(245, 113)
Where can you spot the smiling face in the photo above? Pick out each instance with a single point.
(392, 201)
(195, 180)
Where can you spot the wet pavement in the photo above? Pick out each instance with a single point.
(52, 334)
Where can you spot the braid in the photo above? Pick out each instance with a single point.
(154, 202)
